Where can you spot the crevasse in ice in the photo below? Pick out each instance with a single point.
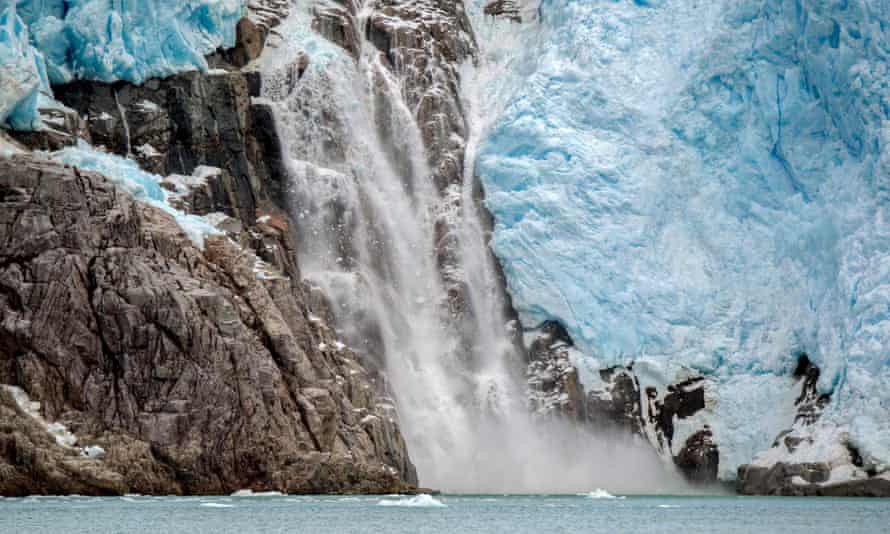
(128, 40)
(705, 184)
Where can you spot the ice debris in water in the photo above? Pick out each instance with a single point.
(706, 184)
(142, 185)
(418, 501)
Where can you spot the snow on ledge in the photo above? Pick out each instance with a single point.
(64, 437)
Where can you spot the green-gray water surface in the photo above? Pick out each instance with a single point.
(446, 514)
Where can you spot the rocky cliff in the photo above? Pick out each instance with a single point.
(133, 360)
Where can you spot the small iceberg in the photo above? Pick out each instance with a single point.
(600, 493)
(418, 501)
(251, 493)
(216, 505)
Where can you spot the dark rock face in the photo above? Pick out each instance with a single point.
(806, 480)
(424, 43)
(193, 374)
(810, 402)
(553, 385)
(507, 9)
(616, 403)
(682, 400)
(174, 125)
(699, 459)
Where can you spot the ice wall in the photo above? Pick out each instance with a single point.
(22, 75)
(111, 40)
(56, 41)
(705, 184)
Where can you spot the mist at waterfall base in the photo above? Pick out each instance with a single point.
(369, 216)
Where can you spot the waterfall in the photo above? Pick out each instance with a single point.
(370, 221)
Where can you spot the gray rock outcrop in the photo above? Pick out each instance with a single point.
(192, 373)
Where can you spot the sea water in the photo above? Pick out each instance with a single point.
(447, 514)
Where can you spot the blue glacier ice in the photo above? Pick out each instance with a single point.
(706, 184)
(143, 186)
(56, 41)
(112, 40)
(22, 75)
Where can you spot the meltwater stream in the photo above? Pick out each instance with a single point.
(367, 211)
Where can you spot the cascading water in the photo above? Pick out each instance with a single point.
(370, 221)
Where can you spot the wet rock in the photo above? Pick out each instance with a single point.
(553, 386)
(337, 22)
(806, 479)
(682, 400)
(699, 459)
(616, 404)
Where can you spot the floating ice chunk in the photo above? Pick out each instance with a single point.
(216, 505)
(600, 493)
(418, 501)
(251, 493)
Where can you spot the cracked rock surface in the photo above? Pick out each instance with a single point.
(194, 375)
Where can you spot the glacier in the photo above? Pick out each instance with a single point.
(45, 42)
(704, 186)
(23, 75)
(128, 41)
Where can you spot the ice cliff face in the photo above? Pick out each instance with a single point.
(22, 74)
(130, 41)
(56, 41)
(702, 187)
